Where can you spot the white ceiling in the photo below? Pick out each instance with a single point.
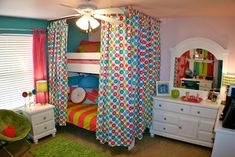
(50, 9)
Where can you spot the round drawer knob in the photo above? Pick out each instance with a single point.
(181, 109)
(164, 128)
(180, 127)
(198, 112)
(160, 105)
(165, 118)
(44, 118)
(45, 127)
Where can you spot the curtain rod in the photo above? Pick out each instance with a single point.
(15, 29)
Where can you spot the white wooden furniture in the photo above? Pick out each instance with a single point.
(224, 145)
(84, 67)
(42, 121)
(185, 121)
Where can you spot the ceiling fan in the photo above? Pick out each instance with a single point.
(89, 14)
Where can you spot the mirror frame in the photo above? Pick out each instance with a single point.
(198, 42)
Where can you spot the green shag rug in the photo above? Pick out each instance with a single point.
(64, 147)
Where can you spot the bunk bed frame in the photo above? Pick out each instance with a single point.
(84, 62)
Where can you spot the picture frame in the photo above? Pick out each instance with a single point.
(163, 88)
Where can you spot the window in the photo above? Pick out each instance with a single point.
(16, 69)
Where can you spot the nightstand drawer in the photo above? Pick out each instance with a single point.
(42, 117)
(204, 112)
(38, 129)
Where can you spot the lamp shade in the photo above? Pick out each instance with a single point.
(86, 22)
(83, 23)
(94, 23)
(41, 86)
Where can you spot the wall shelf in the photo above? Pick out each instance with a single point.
(199, 60)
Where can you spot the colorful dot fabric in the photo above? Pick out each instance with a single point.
(58, 76)
(129, 69)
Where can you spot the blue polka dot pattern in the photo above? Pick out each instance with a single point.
(129, 68)
(58, 77)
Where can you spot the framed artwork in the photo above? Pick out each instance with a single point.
(162, 88)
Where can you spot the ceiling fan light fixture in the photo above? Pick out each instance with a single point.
(94, 23)
(83, 23)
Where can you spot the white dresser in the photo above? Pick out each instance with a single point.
(42, 121)
(185, 121)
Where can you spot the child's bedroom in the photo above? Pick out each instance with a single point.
(127, 78)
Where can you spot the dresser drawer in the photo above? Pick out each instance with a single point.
(165, 117)
(168, 106)
(41, 128)
(168, 128)
(204, 112)
(206, 136)
(205, 84)
(160, 104)
(42, 117)
(206, 125)
(204, 88)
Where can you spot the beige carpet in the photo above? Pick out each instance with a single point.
(148, 147)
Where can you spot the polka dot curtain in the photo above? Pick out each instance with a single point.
(129, 69)
(58, 76)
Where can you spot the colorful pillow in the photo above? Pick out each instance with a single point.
(90, 81)
(91, 96)
(10, 131)
(78, 95)
(74, 80)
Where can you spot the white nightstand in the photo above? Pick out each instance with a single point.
(42, 121)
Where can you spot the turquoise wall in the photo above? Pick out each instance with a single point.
(21, 23)
(75, 35)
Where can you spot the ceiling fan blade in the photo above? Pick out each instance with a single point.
(108, 19)
(68, 16)
(68, 6)
(109, 11)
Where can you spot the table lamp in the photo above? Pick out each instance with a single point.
(42, 88)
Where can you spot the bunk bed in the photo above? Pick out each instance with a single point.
(84, 62)
(80, 112)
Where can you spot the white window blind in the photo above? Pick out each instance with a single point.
(16, 69)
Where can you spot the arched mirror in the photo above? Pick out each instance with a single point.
(198, 69)
(197, 64)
